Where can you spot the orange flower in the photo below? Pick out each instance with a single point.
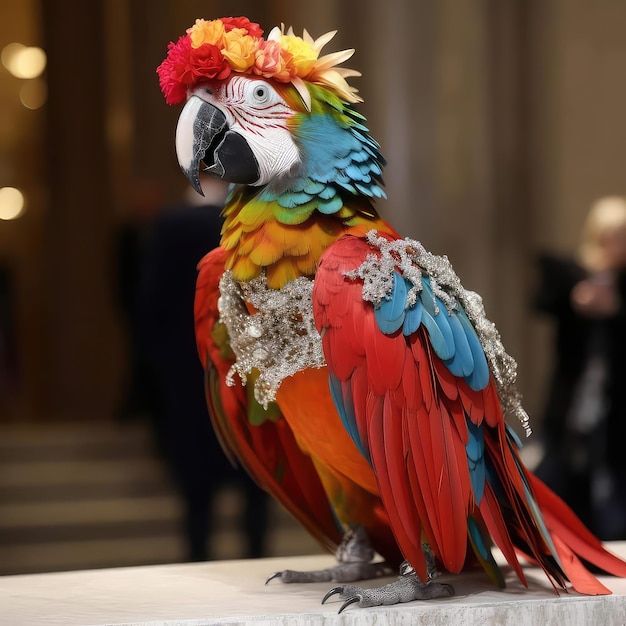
(239, 48)
(204, 31)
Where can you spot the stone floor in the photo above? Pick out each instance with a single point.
(81, 496)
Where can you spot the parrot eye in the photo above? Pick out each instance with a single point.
(260, 93)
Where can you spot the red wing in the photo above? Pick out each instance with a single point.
(400, 418)
(447, 466)
(267, 450)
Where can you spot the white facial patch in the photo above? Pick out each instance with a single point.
(275, 152)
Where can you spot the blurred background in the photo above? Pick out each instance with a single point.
(502, 121)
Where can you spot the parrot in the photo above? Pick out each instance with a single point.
(346, 367)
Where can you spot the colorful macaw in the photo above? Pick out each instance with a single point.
(347, 369)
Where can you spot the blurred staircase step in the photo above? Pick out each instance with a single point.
(60, 556)
(82, 496)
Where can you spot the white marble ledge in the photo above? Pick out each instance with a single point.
(233, 592)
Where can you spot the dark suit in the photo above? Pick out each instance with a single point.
(181, 236)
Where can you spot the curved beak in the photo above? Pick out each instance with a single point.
(203, 136)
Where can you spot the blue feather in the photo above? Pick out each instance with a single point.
(339, 153)
(293, 199)
(435, 334)
(309, 186)
(342, 397)
(390, 312)
(330, 206)
(412, 318)
(475, 450)
(462, 363)
(513, 435)
(484, 553)
(361, 156)
(436, 323)
(477, 539)
(479, 378)
(327, 193)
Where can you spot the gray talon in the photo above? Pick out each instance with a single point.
(332, 592)
(272, 576)
(352, 600)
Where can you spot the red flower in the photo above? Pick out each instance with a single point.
(252, 28)
(207, 61)
(176, 72)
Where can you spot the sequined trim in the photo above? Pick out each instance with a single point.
(279, 340)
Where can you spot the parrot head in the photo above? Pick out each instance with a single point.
(237, 128)
(269, 112)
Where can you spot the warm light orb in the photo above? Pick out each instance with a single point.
(23, 61)
(34, 93)
(11, 203)
(10, 52)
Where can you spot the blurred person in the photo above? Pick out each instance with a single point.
(181, 235)
(584, 423)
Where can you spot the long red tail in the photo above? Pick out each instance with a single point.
(573, 540)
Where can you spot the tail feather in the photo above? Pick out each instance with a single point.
(580, 577)
(572, 533)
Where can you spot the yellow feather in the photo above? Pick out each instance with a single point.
(256, 240)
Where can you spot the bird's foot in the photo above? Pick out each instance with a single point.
(354, 557)
(405, 588)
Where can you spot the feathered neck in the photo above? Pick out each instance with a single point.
(257, 240)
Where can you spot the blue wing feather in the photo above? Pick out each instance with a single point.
(462, 363)
(413, 318)
(479, 378)
(390, 313)
(475, 450)
(452, 336)
(342, 397)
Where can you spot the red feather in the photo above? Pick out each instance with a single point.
(414, 413)
(494, 521)
(563, 523)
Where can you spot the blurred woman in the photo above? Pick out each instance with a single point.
(584, 424)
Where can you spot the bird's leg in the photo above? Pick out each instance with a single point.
(431, 564)
(405, 588)
(354, 562)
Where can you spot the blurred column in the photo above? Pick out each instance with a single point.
(81, 346)
(153, 25)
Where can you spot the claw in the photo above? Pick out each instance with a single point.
(332, 592)
(272, 576)
(350, 601)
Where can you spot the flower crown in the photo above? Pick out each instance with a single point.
(214, 49)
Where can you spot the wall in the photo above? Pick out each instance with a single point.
(501, 122)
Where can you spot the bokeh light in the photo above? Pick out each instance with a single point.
(34, 93)
(12, 203)
(23, 61)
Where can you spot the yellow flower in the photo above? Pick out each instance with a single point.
(239, 49)
(207, 31)
(303, 54)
